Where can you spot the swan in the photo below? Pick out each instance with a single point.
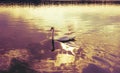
(64, 41)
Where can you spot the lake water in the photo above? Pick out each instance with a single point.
(95, 27)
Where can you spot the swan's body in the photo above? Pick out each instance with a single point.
(66, 39)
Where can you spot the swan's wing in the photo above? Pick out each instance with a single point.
(66, 38)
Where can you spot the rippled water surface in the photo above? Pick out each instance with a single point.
(95, 27)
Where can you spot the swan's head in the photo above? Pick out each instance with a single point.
(52, 28)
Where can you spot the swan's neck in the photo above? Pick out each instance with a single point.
(52, 34)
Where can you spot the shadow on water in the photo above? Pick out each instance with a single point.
(43, 50)
(18, 66)
(94, 69)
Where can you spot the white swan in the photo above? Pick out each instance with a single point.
(64, 42)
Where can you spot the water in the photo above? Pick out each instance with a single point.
(96, 29)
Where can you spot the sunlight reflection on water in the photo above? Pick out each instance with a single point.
(95, 27)
(77, 20)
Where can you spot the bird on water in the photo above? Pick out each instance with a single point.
(64, 39)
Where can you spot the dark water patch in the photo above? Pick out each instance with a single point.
(18, 66)
(53, 72)
(116, 70)
(101, 60)
(113, 55)
(4, 65)
(94, 69)
(114, 60)
(99, 50)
